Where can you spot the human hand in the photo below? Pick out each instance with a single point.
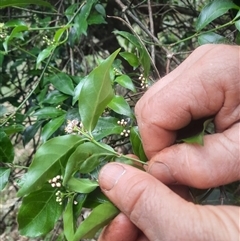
(207, 83)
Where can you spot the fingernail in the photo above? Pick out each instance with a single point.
(110, 175)
(162, 172)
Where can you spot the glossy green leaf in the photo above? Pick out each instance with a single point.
(99, 217)
(30, 132)
(198, 138)
(48, 160)
(15, 23)
(54, 98)
(96, 93)
(131, 58)
(211, 38)
(11, 3)
(16, 33)
(44, 54)
(237, 23)
(100, 8)
(77, 90)
(106, 126)
(96, 18)
(6, 148)
(63, 83)
(95, 198)
(125, 81)
(120, 106)
(130, 37)
(68, 220)
(93, 162)
(12, 129)
(144, 57)
(48, 112)
(58, 35)
(80, 22)
(136, 143)
(39, 212)
(4, 176)
(145, 60)
(212, 11)
(51, 127)
(82, 153)
(82, 185)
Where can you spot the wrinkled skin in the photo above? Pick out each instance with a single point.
(155, 205)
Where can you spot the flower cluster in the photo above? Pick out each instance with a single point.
(125, 133)
(122, 122)
(56, 181)
(72, 126)
(144, 82)
(47, 40)
(59, 197)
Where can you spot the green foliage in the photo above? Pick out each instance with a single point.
(69, 96)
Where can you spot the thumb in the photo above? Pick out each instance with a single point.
(156, 210)
(214, 164)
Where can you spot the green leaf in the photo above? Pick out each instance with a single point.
(106, 126)
(30, 132)
(212, 11)
(198, 138)
(125, 81)
(99, 217)
(68, 220)
(100, 8)
(58, 35)
(4, 175)
(39, 212)
(136, 143)
(51, 127)
(44, 54)
(12, 129)
(15, 23)
(96, 93)
(81, 154)
(80, 25)
(95, 18)
(48, 160)
(6, 148)
(130, 37)
(11, 3)
(16, 33)
(144, 57)
(237, 23)
(131, 58)
(48, 112)
(120, 106)
(211, 38)
(63, 83)
(82, 185)
(93, 162)
(54, 98)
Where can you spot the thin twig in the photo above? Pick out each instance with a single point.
(151, 29)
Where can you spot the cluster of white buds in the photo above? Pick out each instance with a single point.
(125, 133)
(144, 83)
(59, 197)
(72, 125)
(47, 40)
(122, 122)
(56, 181)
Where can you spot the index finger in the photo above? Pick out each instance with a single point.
(205, 84)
